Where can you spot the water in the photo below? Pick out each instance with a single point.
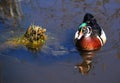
(55, 62)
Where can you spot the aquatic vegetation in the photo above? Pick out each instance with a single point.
(33, 39)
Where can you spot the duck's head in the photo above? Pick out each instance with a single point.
(84, 30)
(88, 18)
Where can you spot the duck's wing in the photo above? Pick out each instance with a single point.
(96, 29)
(103, 36)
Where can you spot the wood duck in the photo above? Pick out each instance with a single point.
(89, 36)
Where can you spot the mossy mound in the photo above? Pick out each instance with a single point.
(34, 38)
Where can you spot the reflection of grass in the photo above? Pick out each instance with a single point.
(1, 75)
(118, 54)
(79, 0)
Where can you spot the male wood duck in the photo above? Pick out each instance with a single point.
(89, 36)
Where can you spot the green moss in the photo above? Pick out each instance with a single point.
(34, 38)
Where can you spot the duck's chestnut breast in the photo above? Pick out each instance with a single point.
(88, 43)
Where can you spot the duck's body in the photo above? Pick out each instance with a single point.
(88, 43)
(89, 36)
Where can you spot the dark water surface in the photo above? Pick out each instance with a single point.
(55, 62)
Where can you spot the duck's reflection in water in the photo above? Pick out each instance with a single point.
(86, 64)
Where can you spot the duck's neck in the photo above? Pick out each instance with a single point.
(87, 35)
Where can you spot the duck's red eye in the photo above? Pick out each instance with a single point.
(84, 28)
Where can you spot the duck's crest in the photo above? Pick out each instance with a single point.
(88, 17)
